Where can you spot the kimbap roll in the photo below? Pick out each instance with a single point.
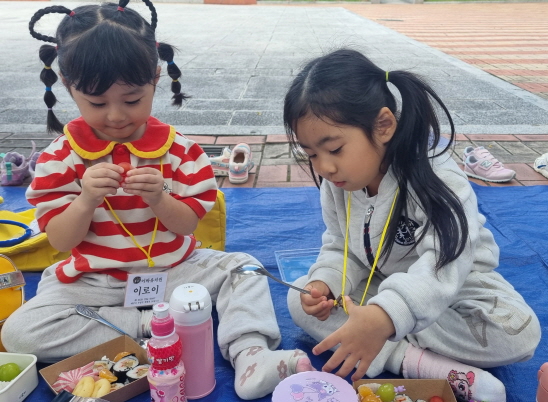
(115, 386)
(137, 372)
(99, 365)
(122, 366)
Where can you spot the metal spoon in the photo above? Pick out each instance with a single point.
(256, 270)
(92, 314)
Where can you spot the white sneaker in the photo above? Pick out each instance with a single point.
(540, 165)
(240, 164)
(220, 163)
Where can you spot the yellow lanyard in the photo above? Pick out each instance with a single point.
(341, 299)
(147, 253)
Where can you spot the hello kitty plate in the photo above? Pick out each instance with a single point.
(314, 386)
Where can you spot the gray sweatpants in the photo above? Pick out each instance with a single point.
(488, 325)
(49, 327)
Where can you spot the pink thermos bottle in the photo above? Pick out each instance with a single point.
(190, 306)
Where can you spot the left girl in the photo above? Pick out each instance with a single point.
(116, 223)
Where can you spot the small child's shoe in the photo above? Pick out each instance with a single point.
(480, 153)
(14, 168)
(541, 165)
(32, 164)
(487, 169)
(220, 164)
(240, 164)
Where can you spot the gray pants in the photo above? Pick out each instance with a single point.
(488, 325)
(49, 327)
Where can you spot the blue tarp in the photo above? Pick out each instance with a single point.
(262, 221)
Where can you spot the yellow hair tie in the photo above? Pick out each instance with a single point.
(47, 67)
(177, 80)
(387, 76)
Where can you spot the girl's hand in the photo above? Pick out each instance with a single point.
(145, 182)
(317, 304)
(361, 338)
(98, 181)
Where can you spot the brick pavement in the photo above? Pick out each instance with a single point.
(509, 41)
(275, 166)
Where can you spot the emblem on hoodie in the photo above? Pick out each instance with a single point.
(405, 235)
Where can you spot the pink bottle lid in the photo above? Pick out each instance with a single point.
(314, 386)
(162, 324)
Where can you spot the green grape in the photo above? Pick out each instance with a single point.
(9, 371)
(386, 392)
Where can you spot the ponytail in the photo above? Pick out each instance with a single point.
(418, 134)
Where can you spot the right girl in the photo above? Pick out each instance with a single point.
(398, 207)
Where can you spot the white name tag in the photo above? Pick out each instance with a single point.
(145, 289)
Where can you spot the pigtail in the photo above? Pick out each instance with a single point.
(47, 55)
(39, 14)
(166, 53)
(418, 133)
(153, 14)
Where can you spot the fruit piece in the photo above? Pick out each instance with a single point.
(101, 388)
(386, 392)
(84, 387)
(121, 354)
(126, 166)
(9, 371)
(435, 399)
(364, 391)
(371, 398)
(107, 375)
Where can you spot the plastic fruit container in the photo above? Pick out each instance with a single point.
(22, 385)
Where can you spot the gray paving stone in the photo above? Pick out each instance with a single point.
(259, 118)
(518, 149)
(540, 147)
(276, 151)
(278, 161)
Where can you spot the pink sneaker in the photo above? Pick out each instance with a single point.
(487, 169)
(240, 164)
(32, 163)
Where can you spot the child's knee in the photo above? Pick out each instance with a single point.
(16, 336)
(528, 341)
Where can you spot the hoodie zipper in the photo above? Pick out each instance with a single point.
(366, 238)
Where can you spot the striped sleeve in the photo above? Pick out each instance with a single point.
(193, 179)
(56, 182)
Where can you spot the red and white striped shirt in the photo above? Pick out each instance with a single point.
(107, 247)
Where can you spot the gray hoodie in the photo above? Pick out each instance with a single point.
(410, 291)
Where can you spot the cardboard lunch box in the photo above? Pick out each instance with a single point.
(110, 349)
(417, 389)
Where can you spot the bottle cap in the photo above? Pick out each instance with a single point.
(162, 323)
(190, 304)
